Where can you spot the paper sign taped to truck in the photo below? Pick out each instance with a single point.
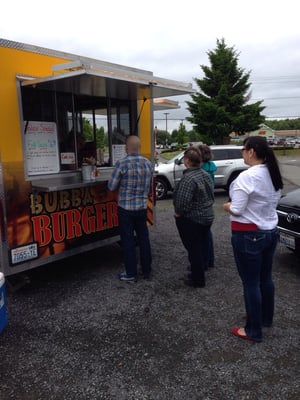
(41, 146)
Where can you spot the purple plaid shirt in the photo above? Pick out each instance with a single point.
(132, 176)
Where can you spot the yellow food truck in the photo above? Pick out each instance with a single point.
(56, 109)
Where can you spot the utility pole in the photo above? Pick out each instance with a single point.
(166, 114)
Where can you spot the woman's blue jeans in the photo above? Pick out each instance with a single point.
(253, 253)
(131, 223)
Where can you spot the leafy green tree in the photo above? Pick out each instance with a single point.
(194, 136)
(182, 135)
(101, 138)
(174, 135)
(284, 124)
(87, 129)
(163, 137)
(220, 107)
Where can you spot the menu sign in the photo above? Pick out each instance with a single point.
(41, 147)
(118, 152)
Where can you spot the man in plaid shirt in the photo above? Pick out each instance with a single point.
(132, 177)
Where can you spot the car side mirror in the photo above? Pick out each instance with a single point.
(178, 161)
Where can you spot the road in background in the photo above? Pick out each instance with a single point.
(290, 168)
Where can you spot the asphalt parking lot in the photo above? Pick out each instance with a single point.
(76, 332)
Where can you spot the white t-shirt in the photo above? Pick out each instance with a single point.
(254, 199)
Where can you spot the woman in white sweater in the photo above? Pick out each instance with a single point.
(254, 196)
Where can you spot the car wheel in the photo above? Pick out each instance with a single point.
(161, 189)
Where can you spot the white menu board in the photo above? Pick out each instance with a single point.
(41, 147)
(118, 152)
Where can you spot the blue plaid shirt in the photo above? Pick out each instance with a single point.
(132, 176)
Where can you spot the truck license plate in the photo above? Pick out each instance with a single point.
(287, 240)
(24, 253)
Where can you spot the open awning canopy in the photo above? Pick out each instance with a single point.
(165, 104)
(100, 81)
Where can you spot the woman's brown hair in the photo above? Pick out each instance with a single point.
(194, 156)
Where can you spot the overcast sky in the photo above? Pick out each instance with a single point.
(171, 38)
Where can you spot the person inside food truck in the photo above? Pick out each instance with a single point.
(85, 151)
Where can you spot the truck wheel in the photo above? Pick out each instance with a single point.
(161, 189)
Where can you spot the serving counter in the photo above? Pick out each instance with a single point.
(64, 182)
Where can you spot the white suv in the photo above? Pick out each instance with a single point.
(228, 159)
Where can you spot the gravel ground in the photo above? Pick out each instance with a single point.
(76, 332)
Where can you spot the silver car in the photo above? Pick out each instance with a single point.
(228, 159)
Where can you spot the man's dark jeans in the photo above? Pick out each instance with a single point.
(131, 222)
(195, 238)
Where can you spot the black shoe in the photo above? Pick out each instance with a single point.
(267, 325)
(146, 275)
(188, 276)
(189, 282)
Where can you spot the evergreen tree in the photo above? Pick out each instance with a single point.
(220, 107)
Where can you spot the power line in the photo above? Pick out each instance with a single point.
(277, 98)
(284, 117)
(289, 78)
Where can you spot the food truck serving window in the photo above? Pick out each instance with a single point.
(88, 111)
(64, 130)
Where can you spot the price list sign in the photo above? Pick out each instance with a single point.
(41, 148)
